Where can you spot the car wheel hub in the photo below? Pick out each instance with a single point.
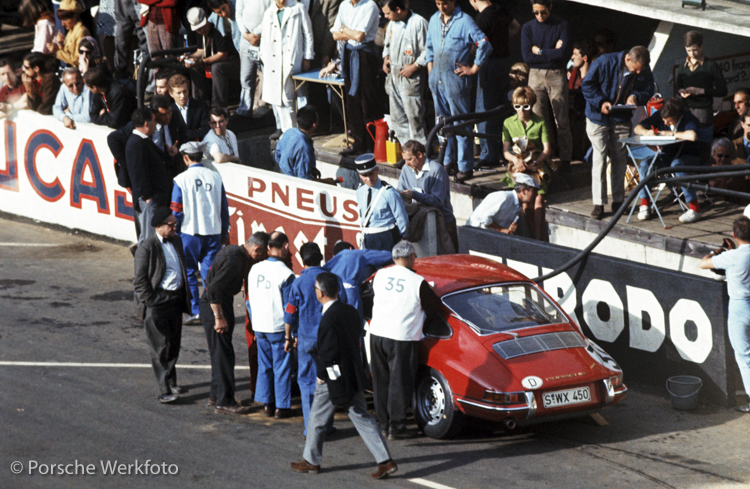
(433, 404)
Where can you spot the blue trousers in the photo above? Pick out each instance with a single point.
(738, 323)
(448, 102)
(662, 162)
(274, 371)
(492, 89)
(199, 253)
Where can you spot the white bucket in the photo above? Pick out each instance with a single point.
(684, 390)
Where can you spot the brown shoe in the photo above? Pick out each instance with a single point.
(268, 410)
(236, 409)
(385, 469)
(305, 467)
(282, 413)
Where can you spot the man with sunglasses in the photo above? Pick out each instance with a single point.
(73, 102)
(220, 144)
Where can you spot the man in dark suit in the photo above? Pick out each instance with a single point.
(151, 184)
(170, 134)
(194, 112)
(742, 143)
(112, 103)
(341, 381)
(161, 290)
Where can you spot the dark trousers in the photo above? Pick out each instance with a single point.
(394, 371)
(364, 107)
(222, 354)
(163, 326)
(384, 241)
(127, 20)
(223, 88)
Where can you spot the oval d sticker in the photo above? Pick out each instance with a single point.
(532, 382)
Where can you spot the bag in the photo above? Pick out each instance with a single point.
(123, 178)
(527, 154)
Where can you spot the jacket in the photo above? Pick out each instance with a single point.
(118, 103)
(197, 119)
(150, 266)
(43, 101)
(148, 173)
(608, 81)
(338, 344)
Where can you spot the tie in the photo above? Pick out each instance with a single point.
(369, 199)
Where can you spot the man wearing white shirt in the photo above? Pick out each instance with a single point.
(500, 211)
(249, 14)
(402, 300)
(73, 102)
(163, 295)
(357, 25)
(220, 144)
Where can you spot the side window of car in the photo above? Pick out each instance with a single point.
(435, 326)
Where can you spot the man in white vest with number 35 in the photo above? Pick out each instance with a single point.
(200, 205)
(402, 301)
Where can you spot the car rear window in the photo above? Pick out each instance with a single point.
(504, 307)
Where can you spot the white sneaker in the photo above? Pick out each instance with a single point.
(690, 216)
(644, 212)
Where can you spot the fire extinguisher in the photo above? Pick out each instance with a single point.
(654, 104)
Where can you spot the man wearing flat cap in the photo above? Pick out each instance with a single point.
(200, 205)
(382, 215)
(162, 296)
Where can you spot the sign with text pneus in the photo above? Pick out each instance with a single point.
(66, 177)
(654, 322)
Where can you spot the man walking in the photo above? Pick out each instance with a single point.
(163, 295)
(340, 382)
(402, 301)
(200, 205)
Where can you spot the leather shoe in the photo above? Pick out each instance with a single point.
(304, 467)
(166, 398)
(211, 402)
(175, 389)
(462, 176)
(598, 212)
(282, 413)
(616, 206)
(351, 151)
(235, 409)
(401, 434)
(385, 469)
(268, 410)
(452, 169)
(745, 408)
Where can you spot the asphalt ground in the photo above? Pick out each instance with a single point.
(67, 298)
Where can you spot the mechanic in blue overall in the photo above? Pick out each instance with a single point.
(450, 37)
(354, 267)
(382, 215)
(301, 317)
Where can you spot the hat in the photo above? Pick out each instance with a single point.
(161, 214)
(525, 179)
(365, 163)
(196, 17)
(70, 6)
(191, 147)
(310, 251)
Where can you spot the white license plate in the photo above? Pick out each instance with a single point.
(566, 397)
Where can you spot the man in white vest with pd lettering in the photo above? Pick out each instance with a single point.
(402, 301)
(200, 205)
(268, 287)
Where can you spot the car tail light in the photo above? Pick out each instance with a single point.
(504, 397)
(616, 382)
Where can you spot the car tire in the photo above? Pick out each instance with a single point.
(433, 406)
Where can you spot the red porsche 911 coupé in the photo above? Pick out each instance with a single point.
(503, 350)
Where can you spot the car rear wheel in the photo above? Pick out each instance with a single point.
(433, 406)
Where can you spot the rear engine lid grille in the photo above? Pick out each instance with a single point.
(534, 344)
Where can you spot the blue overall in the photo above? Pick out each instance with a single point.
(451, 92)
(303, 313)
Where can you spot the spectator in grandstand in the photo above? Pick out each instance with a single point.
(249, 14)
(194, 112)
(170, 134)
(502, 211)
(295, 152)
(742, 143)
(73, 102)
(36, 14)
(13, 93)
(65, 46)
(584, 53)
(161, 81)
(699, 79)
(162, 19)
(492, 84)
(605, 41)
(544, 46)
(113, 103)
(287, 49)
(613, 79)
(127, 16)
(723, 153)
(215, 68)
(88, 54)
(527, 149)
(741, 104)
(220, 144)
(674, 119)
(357, 25)
(224, 18)
(105, 31)
(40, 82)
(405, 66)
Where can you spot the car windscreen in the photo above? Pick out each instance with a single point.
(505, 307)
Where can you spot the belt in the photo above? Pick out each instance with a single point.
(377, 230)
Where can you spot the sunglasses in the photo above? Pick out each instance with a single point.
(524, 106)
(84, 51)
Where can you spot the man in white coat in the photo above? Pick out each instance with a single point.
(286, 48)
(404, 63)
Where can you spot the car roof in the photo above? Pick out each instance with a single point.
(449, 273)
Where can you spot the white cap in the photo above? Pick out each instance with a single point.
(525, 179)
(196, 17)
(747, 211)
